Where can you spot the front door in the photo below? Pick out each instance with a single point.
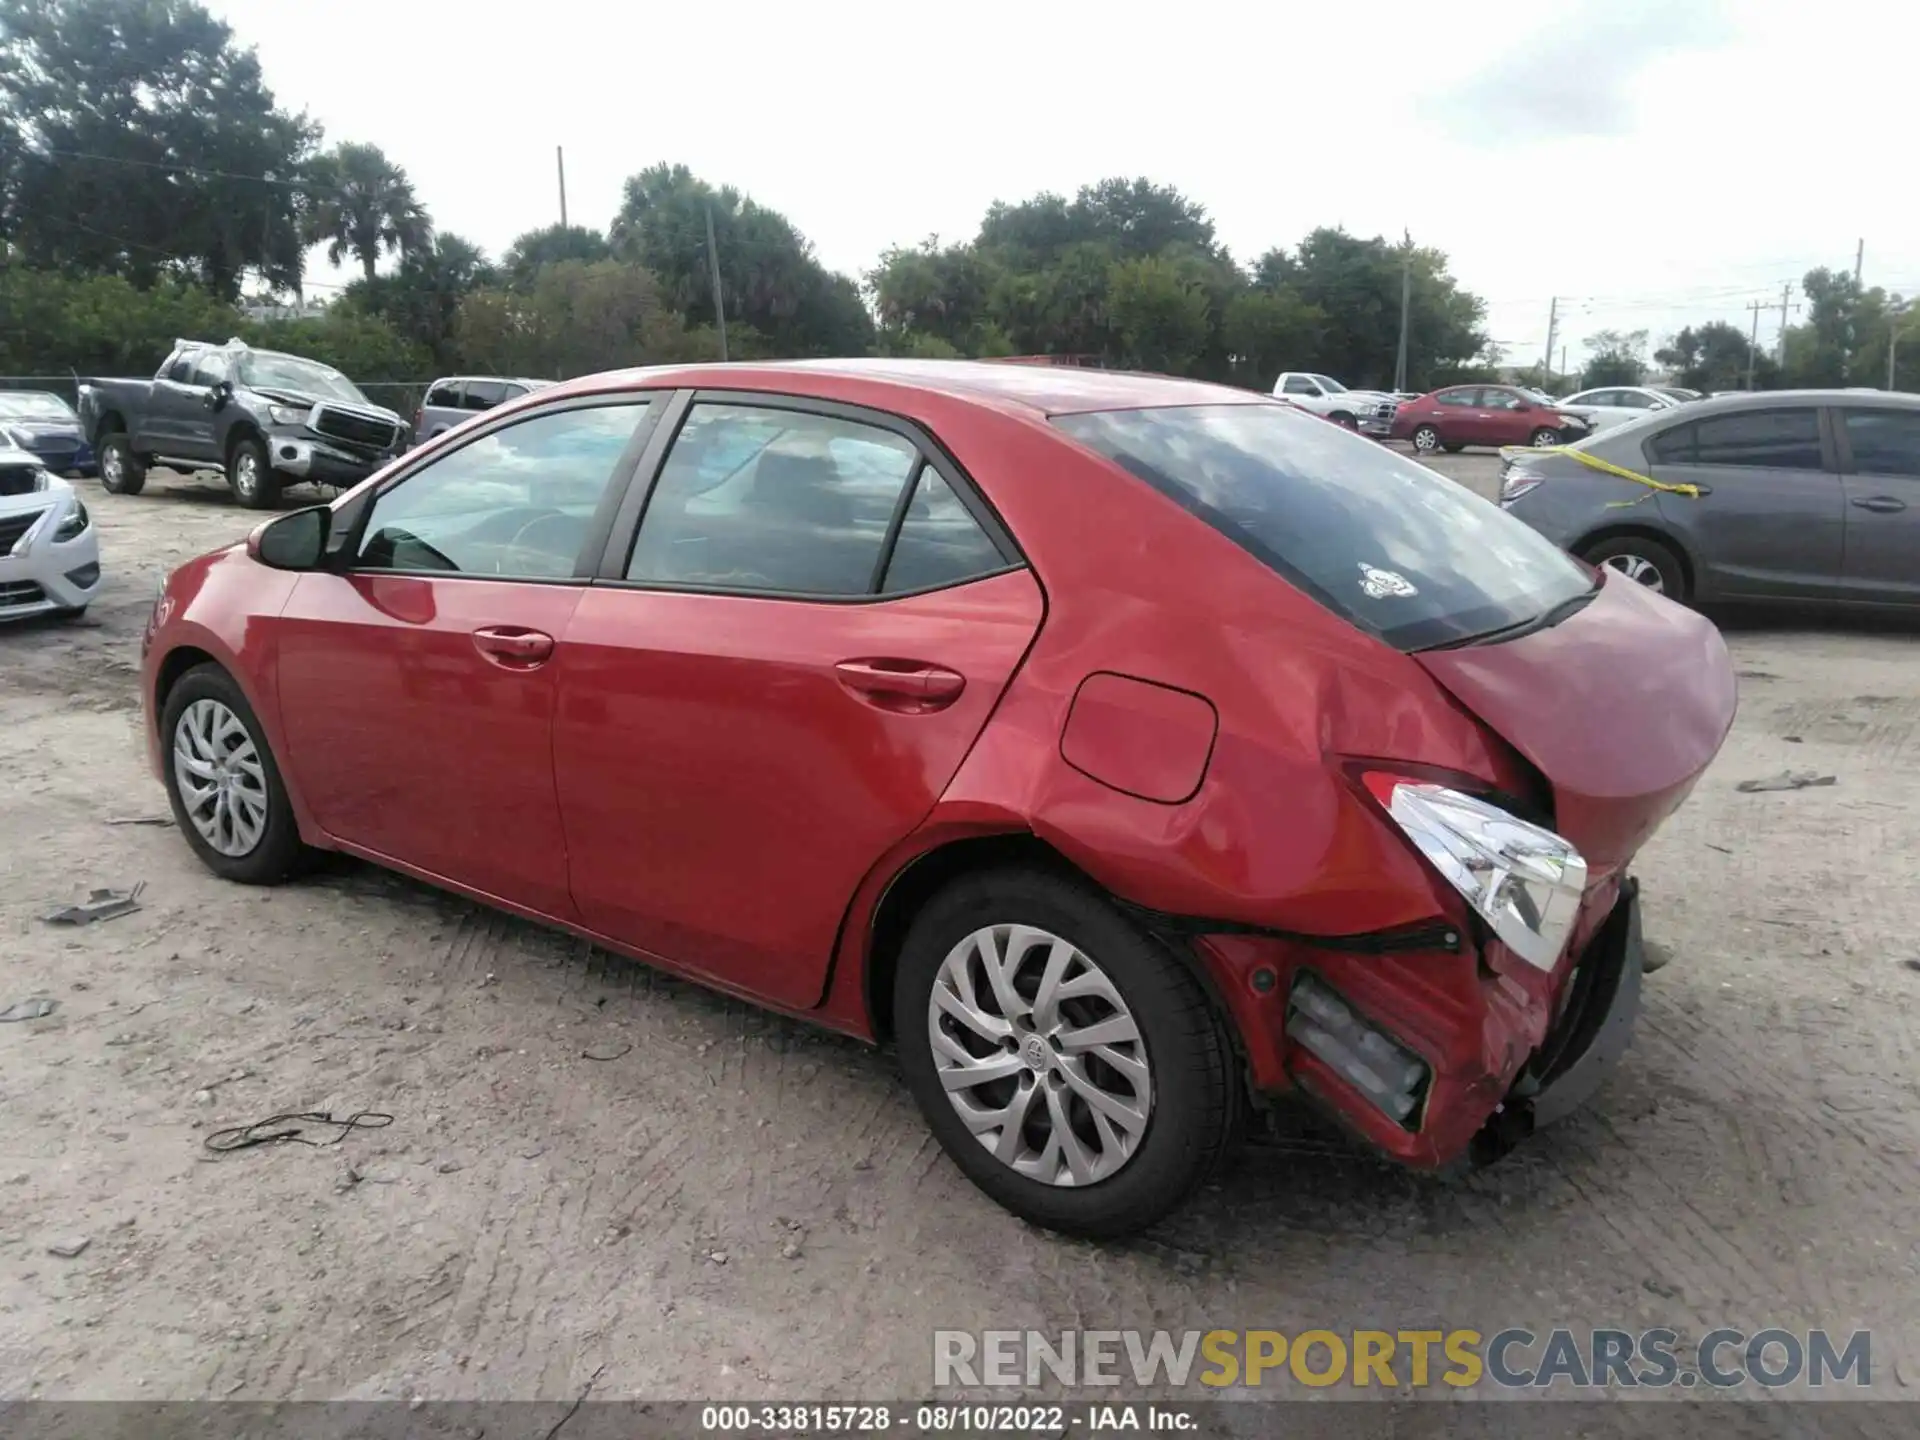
(776, 690)
(1880, 459)
(417, 683)
(1772, 518)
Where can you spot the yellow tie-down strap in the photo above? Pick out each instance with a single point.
(1606, 467)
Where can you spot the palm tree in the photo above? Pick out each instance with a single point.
(363, 204)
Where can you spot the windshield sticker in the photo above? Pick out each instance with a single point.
(1384, 584)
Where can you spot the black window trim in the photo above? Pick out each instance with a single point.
(1843, 442)
(625, 532)
(598, 528)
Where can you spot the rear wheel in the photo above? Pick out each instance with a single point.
(1644, 561)
(224, 786)
(1426, 439)
(249, 476)
(121, 472)
(1070, 1066)
(1344, 420)
(1454, 448)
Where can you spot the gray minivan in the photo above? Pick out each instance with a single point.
(460, 397)
(1803, 495)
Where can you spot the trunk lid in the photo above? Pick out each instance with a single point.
(1621, 707)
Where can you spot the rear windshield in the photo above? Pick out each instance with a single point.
(1401, 552)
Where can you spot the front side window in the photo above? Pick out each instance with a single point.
(514, 503)
(756, 498)
(1330, 385)
(1386, 544)
(1503, 400)
(1299, 385)
(210, 368)
(1784, 439)
(485, 394)
(1885, 442)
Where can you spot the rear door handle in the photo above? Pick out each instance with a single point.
(513, 646)
(1881, 504)
(908, 686)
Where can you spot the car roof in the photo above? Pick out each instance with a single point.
(1042, 389)
(504, 379)
(1765, 399)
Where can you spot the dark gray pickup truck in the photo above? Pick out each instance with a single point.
(265, 419)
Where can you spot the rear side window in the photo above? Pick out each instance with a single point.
(761, 499)
(1885, 442)
(1786, 439)
(1382, 542)
(940, 542)
(1463, 398)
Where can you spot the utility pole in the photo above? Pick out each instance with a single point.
(1753, 345)
(560, 162)
(1563, 362)
(1406, 305)
(1553, 328)
(713, 263)
(1786, 291)
(1859, 255)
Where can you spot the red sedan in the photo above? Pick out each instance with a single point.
(1125, 750)
(1463, 415)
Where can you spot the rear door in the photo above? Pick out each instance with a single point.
(171, 405)
(1771, 522)
(1880, 475)
(1457, 415)
(773, 683)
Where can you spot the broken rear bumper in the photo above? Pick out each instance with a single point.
(1491, 1048)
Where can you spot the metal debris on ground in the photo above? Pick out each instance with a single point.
(34, 1009)
(245, 1137)
(69, 1248)
(99, 905)
(1787, 780)
(606, 1052)
(140, 820)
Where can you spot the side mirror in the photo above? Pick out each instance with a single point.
(292, 542)
(218, 395)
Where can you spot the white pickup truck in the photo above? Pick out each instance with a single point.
(1368, 411)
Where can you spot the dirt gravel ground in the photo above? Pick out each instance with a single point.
(737, 1206)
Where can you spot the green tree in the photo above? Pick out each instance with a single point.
(1615, 357)
(421, 299)
(1268, 330)
(770, 279)
(549, 246)
(1159, 315)
(935, 291)
(578, 318)
(1137, 217)
(363, 205)
(1713, 357)
(100, 324)
(137, 139)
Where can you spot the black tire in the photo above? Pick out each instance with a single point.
(70, 612)
(1426, 439)
(1544, 436)
(250, 476)
(1453, 447)
(1344, 420)
(121, 472)
(1196, 1096)
(279, 852)
(1619, 553)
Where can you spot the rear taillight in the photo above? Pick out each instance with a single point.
(1518, 483)
(1525, 881)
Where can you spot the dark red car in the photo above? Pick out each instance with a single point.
(1463, 415)
(1126, 750)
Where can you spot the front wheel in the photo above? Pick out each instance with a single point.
(1426, 439)
(224, 786)
(249, 476)
(1644, 561)
(1069, 1065)
(121, 472)
(1543, 438)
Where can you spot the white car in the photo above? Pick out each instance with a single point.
(1368, 411)
(1612, 405)
(49, 552)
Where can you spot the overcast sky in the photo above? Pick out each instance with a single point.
(1652, 164)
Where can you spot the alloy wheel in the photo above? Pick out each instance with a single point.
(246, 475)
(1638, 569)
(1039, 1055)
(222, 782)
(1426, 440)
(1545, 439)
(113, 468)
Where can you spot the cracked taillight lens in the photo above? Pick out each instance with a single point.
(1525, 881)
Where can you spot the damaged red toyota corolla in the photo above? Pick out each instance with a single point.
(1126, 750)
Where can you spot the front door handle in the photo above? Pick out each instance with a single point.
(1881, 504)
(911, 687)
(513, 646)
